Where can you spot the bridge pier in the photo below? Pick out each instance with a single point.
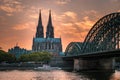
(76, 65)
(107, 64)
(93, 64)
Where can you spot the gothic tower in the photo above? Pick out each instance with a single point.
(39, 32)
(48, 43)
(50, 29)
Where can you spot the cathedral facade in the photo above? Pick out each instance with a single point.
(47, 43)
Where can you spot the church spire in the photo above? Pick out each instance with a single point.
(39, 33)
(40, 19)
(50, 19)
(50, 29)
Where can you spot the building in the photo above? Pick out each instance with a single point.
(48, 43)
(17, 51)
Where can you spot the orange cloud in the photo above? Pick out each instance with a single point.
(114, 0)
(7, 9)
(32, 13)
(23, 26)
(11, 6)
(62, 2)
(66, 24)
(86, 23)
(73, 15)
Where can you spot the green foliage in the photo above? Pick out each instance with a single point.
(35, 56)
(23, 58)
(6, 57)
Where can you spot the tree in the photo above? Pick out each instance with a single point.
(23, 58)
(6, 57)
(36, 57)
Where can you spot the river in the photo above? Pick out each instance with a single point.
(57, 75)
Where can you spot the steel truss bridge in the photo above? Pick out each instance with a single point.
(104, 36)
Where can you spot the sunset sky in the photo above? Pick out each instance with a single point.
(72, 19)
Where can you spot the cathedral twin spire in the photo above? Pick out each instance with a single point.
(50, 29)
(39, 33)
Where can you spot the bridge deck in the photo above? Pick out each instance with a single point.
(105, 54)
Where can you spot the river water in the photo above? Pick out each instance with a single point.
(57, 75)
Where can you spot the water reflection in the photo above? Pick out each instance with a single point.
(96, 75)
(58, 75)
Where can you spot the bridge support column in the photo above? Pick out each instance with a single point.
(107, 64)
(80, 64)
(83, 64)
(76, 65)
(94, 64)
(68, 64)
(88, 64)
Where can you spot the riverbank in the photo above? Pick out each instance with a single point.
(16, 68)
(26, 66)
(19, 66)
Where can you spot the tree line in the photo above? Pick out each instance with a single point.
(35, 56)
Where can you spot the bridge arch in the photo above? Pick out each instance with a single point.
(104, 35)
(73, 49)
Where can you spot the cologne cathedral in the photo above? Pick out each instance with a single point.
(47, 43)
